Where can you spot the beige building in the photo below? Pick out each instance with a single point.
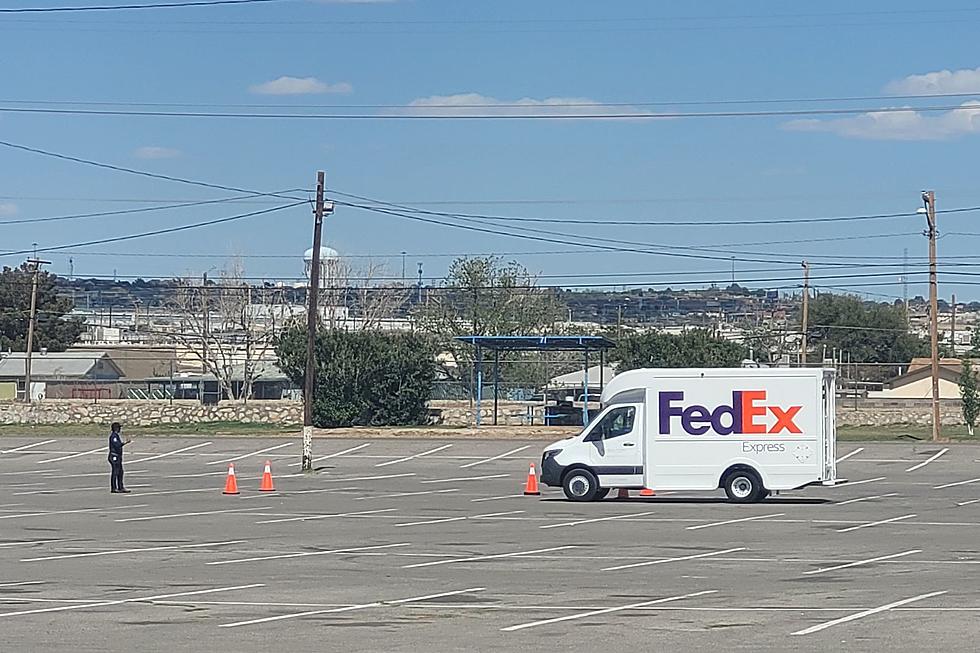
(916, 383)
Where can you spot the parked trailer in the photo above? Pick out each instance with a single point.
(748, 431)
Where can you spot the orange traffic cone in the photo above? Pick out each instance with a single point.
(266, 485)
(531, 487)
(231, 484)
(647, 492)
(623, 493)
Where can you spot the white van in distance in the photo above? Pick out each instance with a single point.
(748, 431)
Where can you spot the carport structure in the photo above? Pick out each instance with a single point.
(497, 344)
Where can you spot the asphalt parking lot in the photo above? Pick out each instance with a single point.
(412, 545)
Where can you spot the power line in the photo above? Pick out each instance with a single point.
(127, 7)
(145, 209)
(141, 173)
(157, 232)
(417, 113)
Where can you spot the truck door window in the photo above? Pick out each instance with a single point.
(617, 422)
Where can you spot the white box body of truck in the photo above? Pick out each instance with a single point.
(749, 431)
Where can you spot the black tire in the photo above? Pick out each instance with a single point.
(580, 485)
(601, 494)
(743, 486)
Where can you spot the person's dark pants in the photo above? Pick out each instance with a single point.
(116, 483)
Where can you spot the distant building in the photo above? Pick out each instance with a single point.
(916, 383)
(68, 373)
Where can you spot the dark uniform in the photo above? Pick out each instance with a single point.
(116, 445)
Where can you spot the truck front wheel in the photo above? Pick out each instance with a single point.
(743, 486)
(580, 485)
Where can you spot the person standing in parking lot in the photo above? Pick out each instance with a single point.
(116, 445)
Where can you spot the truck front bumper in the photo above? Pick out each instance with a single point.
(551, 471)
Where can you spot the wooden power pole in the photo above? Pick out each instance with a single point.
(311, 325)
(35, 265)
(952, 327)
(806, 308)
(929, 199)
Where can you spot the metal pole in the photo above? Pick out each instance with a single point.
(479, 386)
(496, 383)
(585, 397)
(929, 198)
(311, 328)
(35, 265)
(952, 329)
(806, 308)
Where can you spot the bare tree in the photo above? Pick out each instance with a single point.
(230, 326)
(354, 300)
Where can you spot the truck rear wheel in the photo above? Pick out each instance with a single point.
(580, 485)
(743, 486)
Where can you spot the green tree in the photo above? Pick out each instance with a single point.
(695, 348)
(487, 296)
(970, 395)
(363, 378)
(870, 331)
(54, 331)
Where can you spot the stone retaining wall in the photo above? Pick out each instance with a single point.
(444, 412)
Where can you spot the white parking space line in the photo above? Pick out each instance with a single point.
(593, 613)
(247, 455)
(597, 519)
(27, 446)
(67, 556)
(861, 562)
(859, 499)
(305, 554)
(69, 489)
(488, 557)
(408, 494)
(414, 456)
(927, 461)
(966, 503)
(941, 487)
(734, 521)
(169, 453)
(29, 543)
(138, 599)
(44, 513)
(451, 519)
(465, 478)
(875, 523)
(503, 496)
(21, 583)
(158, 492)
(190, 514)
(489, 460)
(348, 608)
(867, 480)
(334, 455)
(326, 516)
(865, 613)
(678, 559)
(74, 455)
(368, 478)
(48, 476)
(848, 455)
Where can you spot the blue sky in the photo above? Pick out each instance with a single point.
(400, 52)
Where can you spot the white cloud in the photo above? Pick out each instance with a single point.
(155, 152)
(905, 124)
(8, 209)
(463, 104)
(966, 80)
(287, 85)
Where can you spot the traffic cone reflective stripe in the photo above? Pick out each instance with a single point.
(531, 487)
(266, 485)
(647, 492)
(231, 483)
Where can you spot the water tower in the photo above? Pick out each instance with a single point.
(329, 265)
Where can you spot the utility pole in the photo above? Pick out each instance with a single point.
(952, 328)
(311, 325)
(929, 199)
(206, 320)
(905, 283)
(35, 265)
(733, 270)
(420, 283)
(806, 308)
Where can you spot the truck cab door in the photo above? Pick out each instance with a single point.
(616, 447)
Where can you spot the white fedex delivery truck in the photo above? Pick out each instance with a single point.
(748, 431)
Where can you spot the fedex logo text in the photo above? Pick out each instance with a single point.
(747, 414)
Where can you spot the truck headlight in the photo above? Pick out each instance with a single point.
(551, 453)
